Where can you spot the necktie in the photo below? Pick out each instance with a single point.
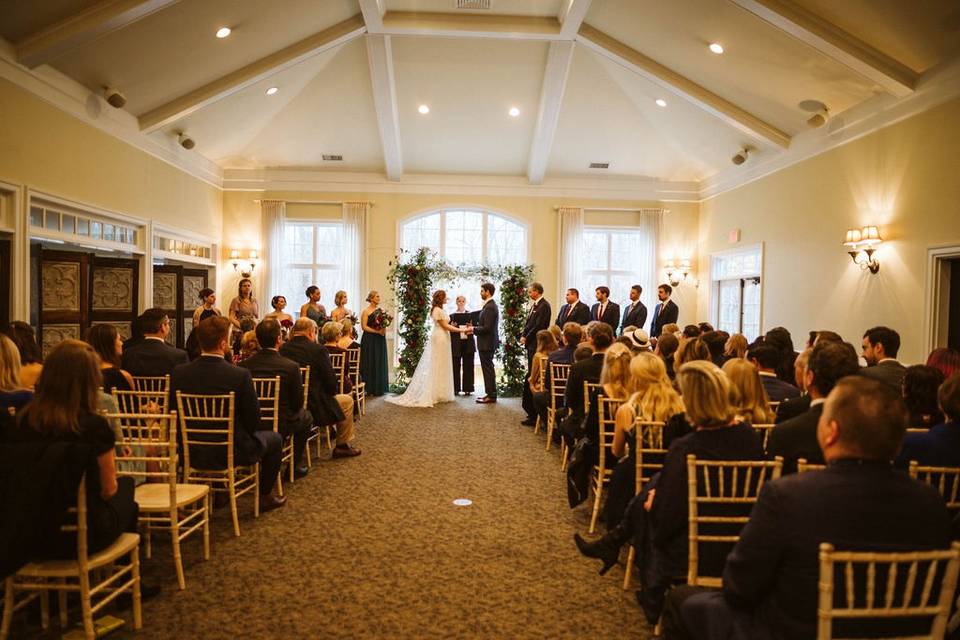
(600, 312)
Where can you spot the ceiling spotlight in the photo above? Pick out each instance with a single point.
(223, 32)
(424, 109)
(716, 47)
(741, 156)
(661, 102)
(114, 98)
(819, 118)
(514, 112)
(185, 141)
(272, 90)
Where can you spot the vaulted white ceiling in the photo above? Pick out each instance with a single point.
(584, 75)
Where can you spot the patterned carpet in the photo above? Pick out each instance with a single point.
(373, 547)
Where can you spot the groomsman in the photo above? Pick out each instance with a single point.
(488, 339)
(665, 312)
(635, 315)
(605, 311)
(463, 347)
(537, 320)
(574, 310)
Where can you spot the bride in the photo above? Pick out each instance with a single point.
(432, 382)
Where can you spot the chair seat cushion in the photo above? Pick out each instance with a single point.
(123, 545)
(155, 496)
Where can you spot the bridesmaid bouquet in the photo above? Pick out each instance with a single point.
(380, 319)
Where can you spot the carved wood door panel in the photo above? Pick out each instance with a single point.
(62, 292)
(114, 292)
(193, 281)
(168, 296)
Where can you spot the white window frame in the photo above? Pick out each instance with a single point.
(608, 272)
(314, 266)
(485, 228)
(715, 282)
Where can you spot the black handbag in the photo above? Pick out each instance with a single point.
(582, 455)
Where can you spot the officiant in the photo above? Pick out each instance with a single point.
(463, 347)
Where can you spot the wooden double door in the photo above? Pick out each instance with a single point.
(72, 291)
(176, 290)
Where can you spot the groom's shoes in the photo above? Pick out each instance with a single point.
(486, 400)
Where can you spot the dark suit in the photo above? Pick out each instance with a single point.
(663, 314)
(152, 357)
(323, 381)
(587, 370)
(634, 315)
(770, 579)
(792, 407)
(938, 447)
(214, 375)
(294, 420)
(488, 340)
(611, 314)
(578, 312)
(537, 320)
(890, 372)
(797, 438)
(462, 347)
(778, 390)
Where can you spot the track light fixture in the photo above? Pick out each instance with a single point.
(741, 156)
(114, 98)
(186, 141)
(819, 118)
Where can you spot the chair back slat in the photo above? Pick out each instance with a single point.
(206, 422)
(558, 383)
(803, 466)
(732, 483)
(353, 366)
(152, 441)
(650, 450)
(875, 587)
(159, 384)
(590, 389)
(268, 395)
(946, 480)
(607, 419)
(141, 401)
(337, 361)
(763, 431)
(305, 380)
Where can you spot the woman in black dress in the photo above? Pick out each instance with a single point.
(109, 346)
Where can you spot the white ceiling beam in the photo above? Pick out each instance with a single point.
(91, 23)
(424, 23)
(555, 76)
(373, 11)
(572, 15)
(380, 56)
(809, 28)
(254, 72)
(723, 109)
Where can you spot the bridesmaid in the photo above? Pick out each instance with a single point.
(373, 348)
(340, 311)
(207, 308)
(312, 308)
(244, 305)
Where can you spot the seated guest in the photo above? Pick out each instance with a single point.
(153, 357)
(797, 437)
(716, 342)
(557, 334)
(637, 340)
(247, 331)
(781, 341)
(13, 395)
(750, 398)
(672, 328)
(106, 341)
(770, 578)
(347, 335)
(572, 332)
(331, 333)
(211, 374)
(690, 350)
(615, 382)
(207, 308)
(136, 334)
(654, 400)
(326, 404)
(538, 366)
(582, 352)
(31, 356)
(940, 446)
(249, 346)
(667, 347)
(920, 384)
(690, 331)
(736, 346)
(600, 337)
(828, 336)
(792, 407)
(767, 360)
(880, 347)
(295, 421)
(946, 360)
(705, 327)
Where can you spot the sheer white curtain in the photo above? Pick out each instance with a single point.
(571, 248)
(647, 254)
(273, 217)
(354, 251)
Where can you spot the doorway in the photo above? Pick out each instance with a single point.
(5, 276)
(943, 298)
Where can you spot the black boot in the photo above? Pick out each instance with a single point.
(606, 548)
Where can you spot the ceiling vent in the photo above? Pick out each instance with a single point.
(330, 157)
(483, 5)
(599, 165)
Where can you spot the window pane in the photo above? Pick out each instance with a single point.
(52, 220)
(96, 229)
(464, 237)
(506, 241)
(729, 310)
(751, 309)
(595, 250)
(293, 285)
(329, 244)
(298, 244)
(36, 216)
(83, 226)
(69, 224)
(422, 232)
(623, 250)
(329, 281)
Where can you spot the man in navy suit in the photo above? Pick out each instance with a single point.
(538, 319)
(664, 313)
(153, 356)
(488, 339)
(605, 311)
(766, 359)
(574, 310)
(635, 314)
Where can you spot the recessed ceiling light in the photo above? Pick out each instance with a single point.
(661, 102)
(272, 90)
(223, 32)
(424, 109)
(716, 47)
(514, 112)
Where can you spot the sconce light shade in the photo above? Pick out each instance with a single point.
(853, 237)
(234, 254)
(253, 254)
(870, 235)
(863, 245)
(677, 274)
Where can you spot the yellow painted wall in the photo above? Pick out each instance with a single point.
(50, 151)
(903, 178)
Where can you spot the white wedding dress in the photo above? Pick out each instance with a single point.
(432, 382)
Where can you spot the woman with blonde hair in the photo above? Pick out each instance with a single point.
(690, 350)
(736, 346)
(373, 347)
(340, 311)
(615, 383)
(546, 344)
(748, 394)
(13, 395)
(347, 334)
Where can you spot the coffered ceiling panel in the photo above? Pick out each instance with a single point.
(22, 18)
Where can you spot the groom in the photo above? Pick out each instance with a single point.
(488, 339)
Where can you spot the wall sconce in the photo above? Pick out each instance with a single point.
(863, 244)
(677, 273)
(244, 267)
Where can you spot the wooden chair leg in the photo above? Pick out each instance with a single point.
(256, 491)
(232, 490)
(45, 609)
(306, 451)
(549, 436)
(147, 545)
(206, 527)
(62, 603)
(564, 457)
(7, 608)
(86, 611)
(628, 570)
(280, 482)
(598, 494)
(536, 426)
(177, 557)
(135, 570)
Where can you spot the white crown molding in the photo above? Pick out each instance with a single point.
(937, 86)
(612, 188)
(72, 98)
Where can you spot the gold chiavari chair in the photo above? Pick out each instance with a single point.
(141, 401)
(543, 378)
(182, 509)
(763, 431)
(359, 387)
(268, 395)
(206, 427)
(152, 383)
(774, 405)
(946, 480)
(650, 455)
(917, 430)
(886, 585)
(606, 415)
(338, 362)
(96, 578)
(317, 429)
(803, 466)
(558, 386)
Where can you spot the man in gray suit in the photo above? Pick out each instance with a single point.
(488, 339)
(880, 347)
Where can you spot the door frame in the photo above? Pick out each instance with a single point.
(714, 291)
(936, 296)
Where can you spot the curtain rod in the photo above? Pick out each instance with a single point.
(622, 209)
(338, 202)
